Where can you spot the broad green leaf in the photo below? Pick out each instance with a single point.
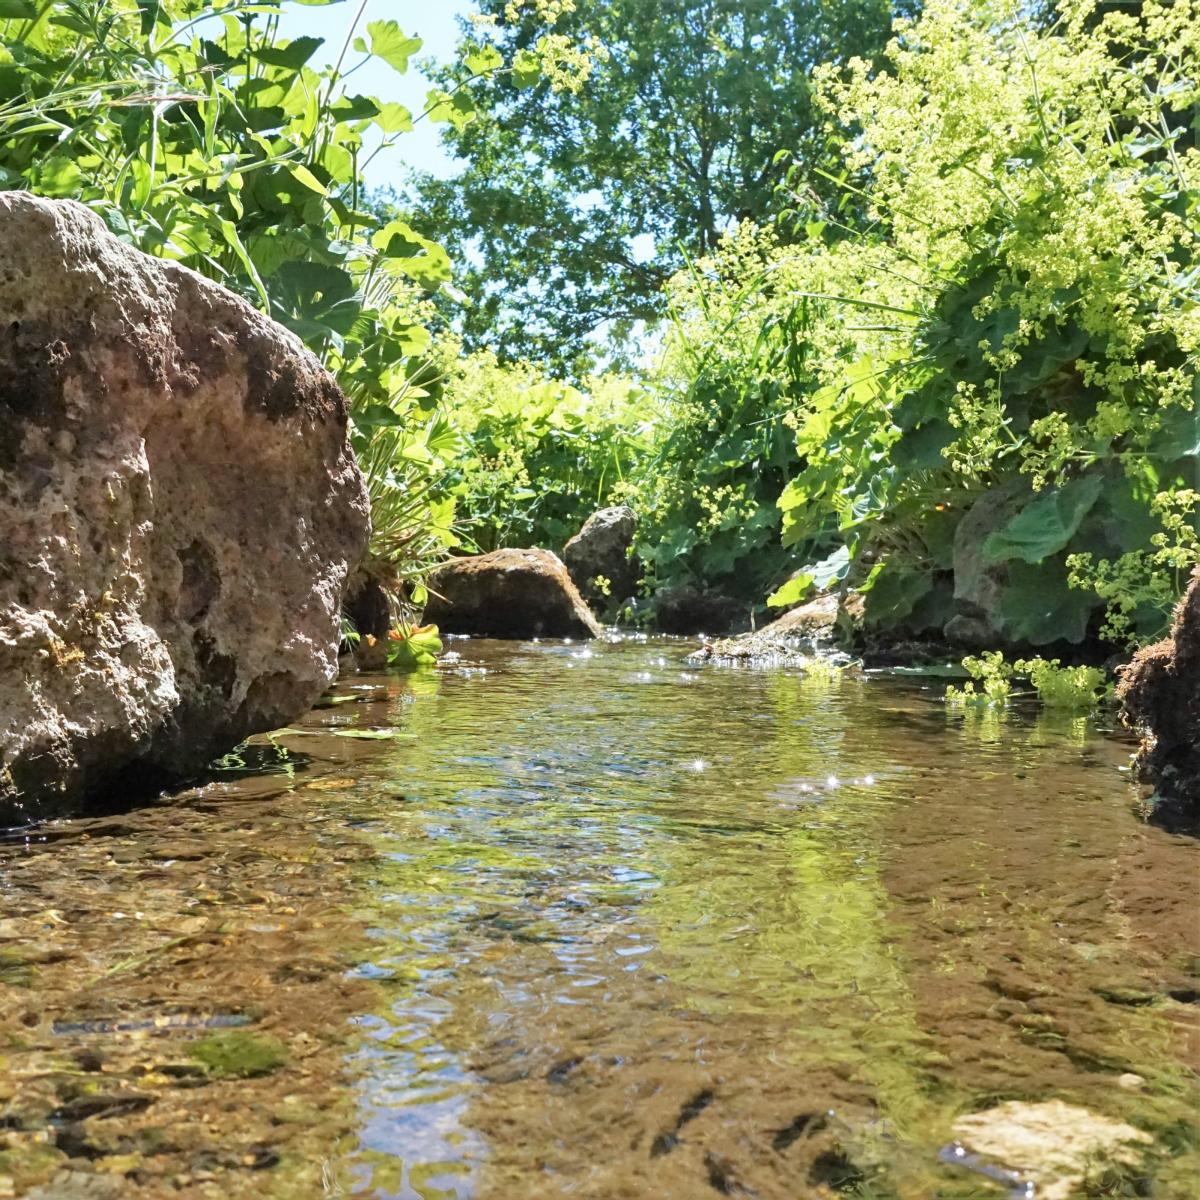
(394, 118)
(895, 592)
(526, 69)
(18, 10)
(1047, 524)
(484, 59)
(292, 55)
(1037, 605)
(304, 176)
(355, 108)
(389, 43)
(820, 575)
(57, 175)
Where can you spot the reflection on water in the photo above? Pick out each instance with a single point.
(562, 922)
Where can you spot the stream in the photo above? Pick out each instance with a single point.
(561, 920)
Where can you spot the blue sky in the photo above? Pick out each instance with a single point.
(435, 22)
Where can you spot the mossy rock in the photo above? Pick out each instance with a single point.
(239, 1054)
(27, 1166)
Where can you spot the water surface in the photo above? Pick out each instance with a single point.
(568, 921)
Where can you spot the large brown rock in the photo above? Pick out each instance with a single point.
(509, 594)
(179, 511)
(598, 557)
(1160, 698)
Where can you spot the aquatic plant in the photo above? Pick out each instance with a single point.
(239, 1054)
(1057, 686)
(1064, 687)
(990, 682)
(413, 646)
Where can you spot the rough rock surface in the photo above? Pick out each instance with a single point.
(978, 585)
(179, 512)
(1160, 697)
(509, 594)
(1050, 1147)
(791, 640)
(686, 610)
(601, 550)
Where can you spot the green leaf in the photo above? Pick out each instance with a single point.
(306, 178)
(483, 60)
(355, 108)
(390, 43)
(1039, 607)
(820, 575)
(1046, 525)
(526, 69)
(17, 10)
(895, 593)
(398, 239)
(57, 175)
(394, 118)
(292, 55)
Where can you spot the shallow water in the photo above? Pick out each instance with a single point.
(585, 921)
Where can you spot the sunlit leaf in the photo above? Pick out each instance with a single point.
(389, 43)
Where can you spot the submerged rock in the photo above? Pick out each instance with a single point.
(179, 512)
(509, 594)
(598, 556)
(1051, 1145)
(1160, 698)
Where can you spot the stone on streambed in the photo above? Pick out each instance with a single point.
(600, 551)
(179, 513)
(509, 594)
(1160, 698)
(1051, 1144)
(792, 639)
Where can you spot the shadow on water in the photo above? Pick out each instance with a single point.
(585, 921)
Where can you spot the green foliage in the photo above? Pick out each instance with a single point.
(989, 685)
(411, 647)
(199, 134)
(722, 449)
(1021, 298)
(540, 455)
(239, 1054)
(1057, 686)
(675, 133)
(1142, 586)
(1064, 687)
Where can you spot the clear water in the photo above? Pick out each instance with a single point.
(580, 921)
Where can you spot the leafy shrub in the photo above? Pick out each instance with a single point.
(732, 371)
(1020, 304)
(1056, 686)
(1064, 687)
(990, 682)
(539, 454)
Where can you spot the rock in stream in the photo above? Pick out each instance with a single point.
(179, 512)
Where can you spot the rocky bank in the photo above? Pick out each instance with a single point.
(179, 513)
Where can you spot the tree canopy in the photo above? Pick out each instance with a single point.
(574, 207)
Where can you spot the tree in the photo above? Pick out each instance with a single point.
(673, 138)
